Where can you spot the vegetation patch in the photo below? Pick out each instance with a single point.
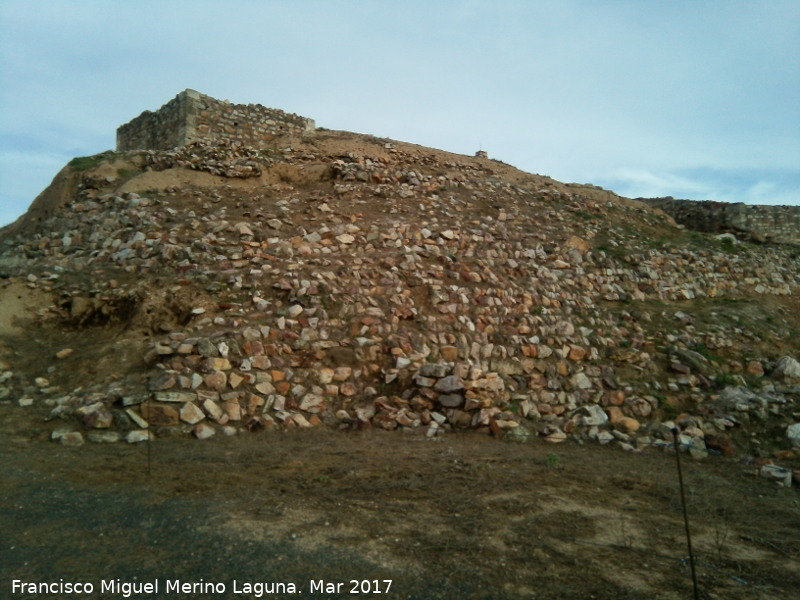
(84, 163)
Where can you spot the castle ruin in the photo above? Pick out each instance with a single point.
(192, 116)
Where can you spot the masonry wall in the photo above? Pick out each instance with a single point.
(779, 224)
(161, 130)
(191, 116)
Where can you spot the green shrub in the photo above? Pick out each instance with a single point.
(552, 460)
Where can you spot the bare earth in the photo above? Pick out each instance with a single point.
(465, 517)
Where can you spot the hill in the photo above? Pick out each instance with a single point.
(358, 281)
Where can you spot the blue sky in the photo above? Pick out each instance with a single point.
(694, 99)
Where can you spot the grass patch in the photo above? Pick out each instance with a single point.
(723, 380)
(669, 411)
(552, 461)
(616, 252)
(83, 163)
(703, 351)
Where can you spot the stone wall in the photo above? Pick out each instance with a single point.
(192, 116)
(779, 224)
(161, 130)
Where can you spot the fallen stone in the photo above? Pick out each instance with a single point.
(75, 437)
(104, 437)
(697, 448)
(203, 431)
(776, 473)
(72, 438)
(138, 435)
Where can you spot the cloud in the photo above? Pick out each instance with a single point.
(760, 186)
(671, 98)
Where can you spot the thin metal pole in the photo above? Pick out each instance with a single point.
(685, 514)
(149, 438)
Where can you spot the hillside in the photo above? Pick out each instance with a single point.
(347, 282)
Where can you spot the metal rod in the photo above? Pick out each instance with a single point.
(149, 438)
(685, 514)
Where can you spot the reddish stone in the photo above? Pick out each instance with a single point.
(253, 348)
(577, 353)
(157, 414)
(721, 444)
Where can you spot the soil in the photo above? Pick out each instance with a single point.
(463, 517)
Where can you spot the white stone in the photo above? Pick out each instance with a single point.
(787, 368)
(581, 381)
(779, 474)
(312, 403)
(212, 409)
(594, 415)
(138, 435)
(203, 431)
(793, 435)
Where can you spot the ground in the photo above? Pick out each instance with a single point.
(464, 517)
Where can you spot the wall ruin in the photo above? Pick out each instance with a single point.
(761, 223)
(192, 116)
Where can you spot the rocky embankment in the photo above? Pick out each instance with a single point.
(397, 287)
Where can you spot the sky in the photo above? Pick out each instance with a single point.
(692, 99)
